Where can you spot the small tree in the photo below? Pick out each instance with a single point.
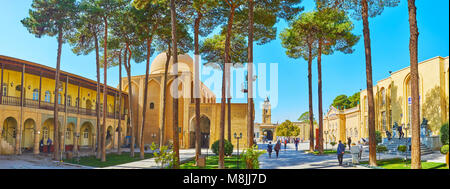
(332, 145)
(250, 156)
(444, 134)
(381, 149)
(164, 157)
(378, 138)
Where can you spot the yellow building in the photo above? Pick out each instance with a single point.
(209, 109)
(393, 103)
(27, 102)
(304, 134)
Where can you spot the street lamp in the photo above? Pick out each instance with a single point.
(236, 137)
(326, 134)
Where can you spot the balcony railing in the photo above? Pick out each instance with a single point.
(15, 101)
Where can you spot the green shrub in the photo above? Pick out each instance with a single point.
(228, 148)
(378, 138)
(444, 149)
(165, 157)
(250, 156)
(402, 148)
(444, 133)
(381, 149)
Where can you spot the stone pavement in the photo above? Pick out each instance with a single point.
(185, 155)
(291, 159)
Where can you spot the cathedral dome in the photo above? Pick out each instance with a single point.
(184, 60)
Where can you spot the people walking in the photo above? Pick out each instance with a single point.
(269, 149)
(388, 134)
(277, 147)
(296, 141)
(400, 132)
(49, 144)
(340, 152)
(285, 143)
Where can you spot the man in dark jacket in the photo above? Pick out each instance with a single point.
(49, 144)
(340, 152)
(349, 142)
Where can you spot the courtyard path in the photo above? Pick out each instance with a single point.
(292, 159)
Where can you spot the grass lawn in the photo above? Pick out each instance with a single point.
(111, 159)
(398, 163)
(212, 162)
(326, 152)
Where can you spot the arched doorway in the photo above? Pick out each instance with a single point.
(28, 135)
(68, 137)
(86, 137)
(268, 134)
(109, 133)
(205, 125)
(9, 131)
(48, 132)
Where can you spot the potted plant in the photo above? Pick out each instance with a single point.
(444, 150)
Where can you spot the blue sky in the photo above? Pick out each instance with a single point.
(341, 73)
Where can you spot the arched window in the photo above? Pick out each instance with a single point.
(383, 97)
(47, 97)
(77, 101)
(152, 105)
(59, 98)
(69, 100)
(36, 94)
(5, 89)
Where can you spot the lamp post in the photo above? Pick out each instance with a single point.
(326, 134)
(236, 137)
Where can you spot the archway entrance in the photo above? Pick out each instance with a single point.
(48, 132)
(28, 135)
(109, 137)
(205, 125)
(268, 134)
(9, 131)
(86, 139)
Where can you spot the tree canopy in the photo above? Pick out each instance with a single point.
(287, 128)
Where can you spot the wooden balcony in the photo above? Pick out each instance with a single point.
(30, 103)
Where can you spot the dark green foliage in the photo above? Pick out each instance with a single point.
(381, 148)
(228, 148)
(378, 137)
(343, 102)
(444, 133)
(402, 148)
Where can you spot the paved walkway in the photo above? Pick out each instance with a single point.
(292, 159)
(185, 155)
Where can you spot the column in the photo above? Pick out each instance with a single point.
(40, 89)
(1, 86)
(19, 131)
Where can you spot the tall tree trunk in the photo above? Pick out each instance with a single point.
(229, 114)
(130, 98)
(225, 80)
(319, 88)
(163, 121)
(120, 105)
(97, 147)
(370, 99)
(311, 115)
(56, 154)
(415, 105)
(250, 135)
(144, 109)
(105, 92)
(197, 96)
(176, 144)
